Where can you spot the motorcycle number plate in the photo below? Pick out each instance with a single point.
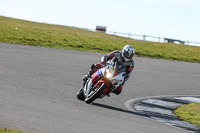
(113, 68)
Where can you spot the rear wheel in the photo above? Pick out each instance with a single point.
(80, 94)
(96, 93)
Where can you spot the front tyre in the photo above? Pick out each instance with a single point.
(96, 93)
(80, 94)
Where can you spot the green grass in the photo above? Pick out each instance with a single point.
(190, 113)
(9, 131)
(55, 36)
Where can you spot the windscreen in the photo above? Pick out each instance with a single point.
(120, 67)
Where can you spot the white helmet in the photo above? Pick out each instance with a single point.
(128, 52)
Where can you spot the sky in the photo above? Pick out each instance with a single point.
(176, 19)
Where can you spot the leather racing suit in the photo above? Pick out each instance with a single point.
(129, 67)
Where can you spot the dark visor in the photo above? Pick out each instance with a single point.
(127, 55)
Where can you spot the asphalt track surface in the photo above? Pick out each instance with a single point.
(38, 92)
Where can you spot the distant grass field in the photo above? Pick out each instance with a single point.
(190, 113)
(55, 36)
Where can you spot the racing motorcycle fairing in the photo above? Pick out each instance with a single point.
(103, 81)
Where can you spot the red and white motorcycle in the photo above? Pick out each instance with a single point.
(103, 81)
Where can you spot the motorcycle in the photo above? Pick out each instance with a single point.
(103, 81)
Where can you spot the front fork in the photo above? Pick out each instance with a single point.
(88, 85)
(95, 79)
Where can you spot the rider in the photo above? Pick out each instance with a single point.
(124, 56)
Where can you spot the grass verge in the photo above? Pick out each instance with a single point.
(9, 131)
(55, 36)
(190, 113)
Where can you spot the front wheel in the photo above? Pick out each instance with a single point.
(96, 93)
(80, 94)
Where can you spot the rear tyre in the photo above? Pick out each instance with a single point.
(80, 94)
(96, 93)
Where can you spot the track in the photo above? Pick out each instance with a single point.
(38, 92)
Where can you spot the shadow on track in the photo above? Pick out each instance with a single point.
(118, 109)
